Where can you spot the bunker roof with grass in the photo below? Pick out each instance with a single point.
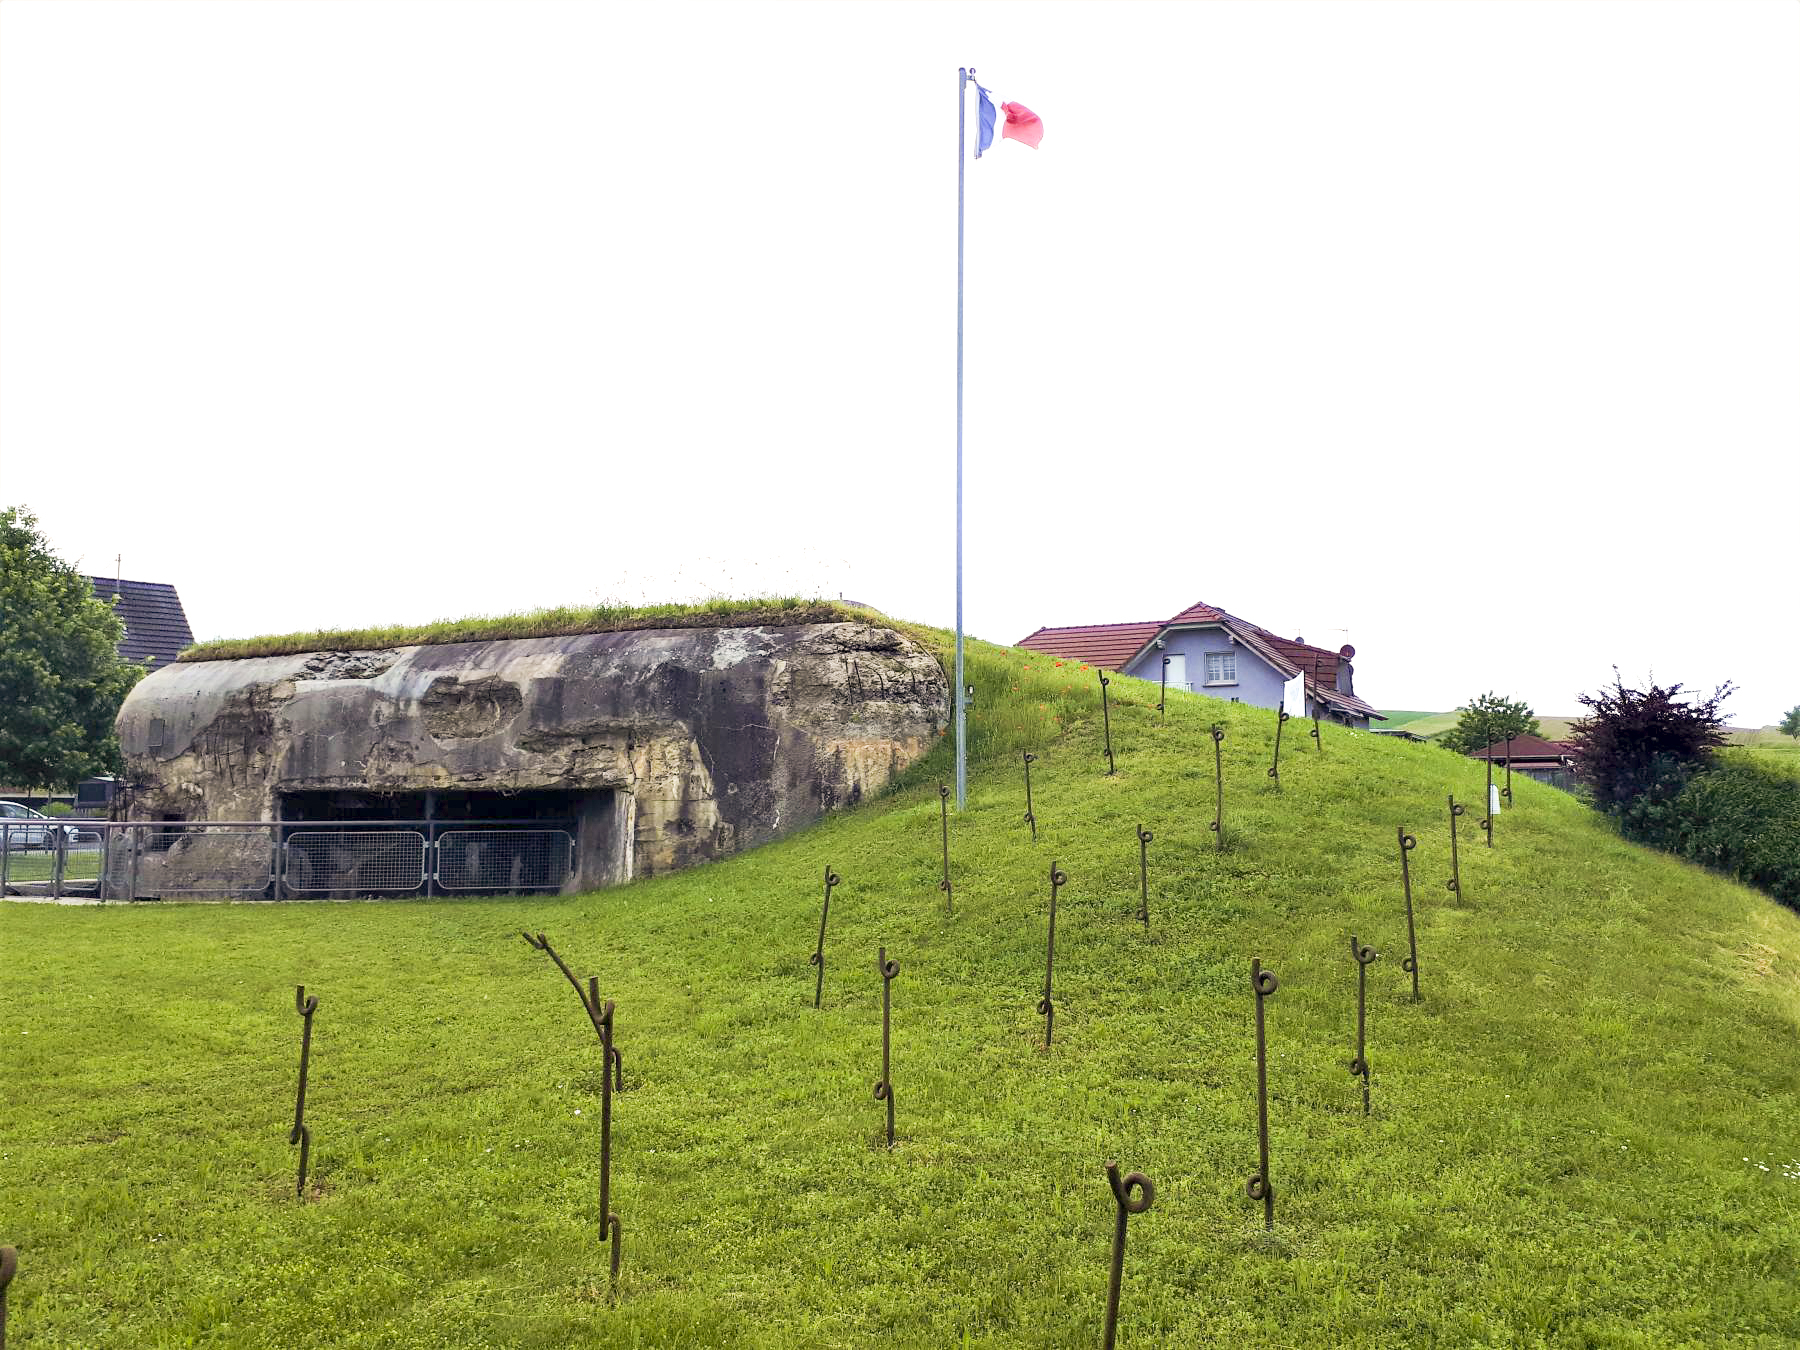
(766, 611)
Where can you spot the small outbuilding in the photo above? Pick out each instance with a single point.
(1545, 761)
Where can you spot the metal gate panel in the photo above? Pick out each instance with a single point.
(504, 860)
(196, 859)
(360, 861)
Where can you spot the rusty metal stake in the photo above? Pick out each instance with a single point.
(1047, 1009)
(9, 1265)
(1317, 739)
(1144, 838)
(300, 1135)
(1123, 1189)
(1030, 818)
(609, 1222)
(818, 956)
(1454, 885)
(1411, 964)
(1506, 791)
(1263, 983)
(1162, 697)
(884, 1087)
(944, 815)
(1281, 717)
(1359, 1062)
(601, 1015)
(1106, 713)
(1218, 820)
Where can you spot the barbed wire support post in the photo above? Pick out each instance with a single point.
(1359, 1062)
(306, 1006)
(1411, 964)
(612, 1070)
(884, 1086)
(1133, 1193)
(1046, 1008)
(818, 956)
(1262, 983)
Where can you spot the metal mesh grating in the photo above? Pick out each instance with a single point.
(197, 860)
(359, 861)
(504, 860)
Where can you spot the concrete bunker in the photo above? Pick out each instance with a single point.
(563, 763)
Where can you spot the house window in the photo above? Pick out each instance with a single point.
(1221, 667)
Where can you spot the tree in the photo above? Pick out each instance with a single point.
(1644, 743)
(61, 679)
(1790, 725)
(1488, 719)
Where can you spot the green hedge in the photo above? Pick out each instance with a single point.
(1733, 816)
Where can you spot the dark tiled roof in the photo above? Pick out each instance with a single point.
(1107, 645)
(1350, 703)
(156, 627)
(1524, 748)
(1319, 664)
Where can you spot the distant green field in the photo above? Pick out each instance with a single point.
(1399, 719)
(1423, 724)
(1555, 727)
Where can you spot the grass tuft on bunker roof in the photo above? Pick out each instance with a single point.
(765, 611)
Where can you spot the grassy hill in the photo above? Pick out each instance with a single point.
(1584, 1135)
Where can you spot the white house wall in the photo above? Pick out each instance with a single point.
(1258, 683)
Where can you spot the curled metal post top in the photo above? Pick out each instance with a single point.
(1144, 836)
(303, 1003)
(943, 791)
(831, 878)
(1030, 758)
(1407, 842)
(1058, 877)
(1282, 714)
(1263, 982)
(1134, 1191)
(1364, 954)
(1218, 732)
(1103, 679)
(888, 969)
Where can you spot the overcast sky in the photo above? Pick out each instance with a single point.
(1467, 333)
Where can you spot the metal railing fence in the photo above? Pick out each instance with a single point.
(136, 860)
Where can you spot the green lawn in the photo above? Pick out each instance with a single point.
(1585, 1135)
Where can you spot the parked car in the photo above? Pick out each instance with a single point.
(32, 829)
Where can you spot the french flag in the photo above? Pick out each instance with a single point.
(1022, 124)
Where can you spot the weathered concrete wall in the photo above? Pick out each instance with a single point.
(714, 739)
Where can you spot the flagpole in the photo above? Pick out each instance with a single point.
(962, 761)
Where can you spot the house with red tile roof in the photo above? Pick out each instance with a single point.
(1206, 650)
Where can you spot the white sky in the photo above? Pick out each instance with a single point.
(1469, 333)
